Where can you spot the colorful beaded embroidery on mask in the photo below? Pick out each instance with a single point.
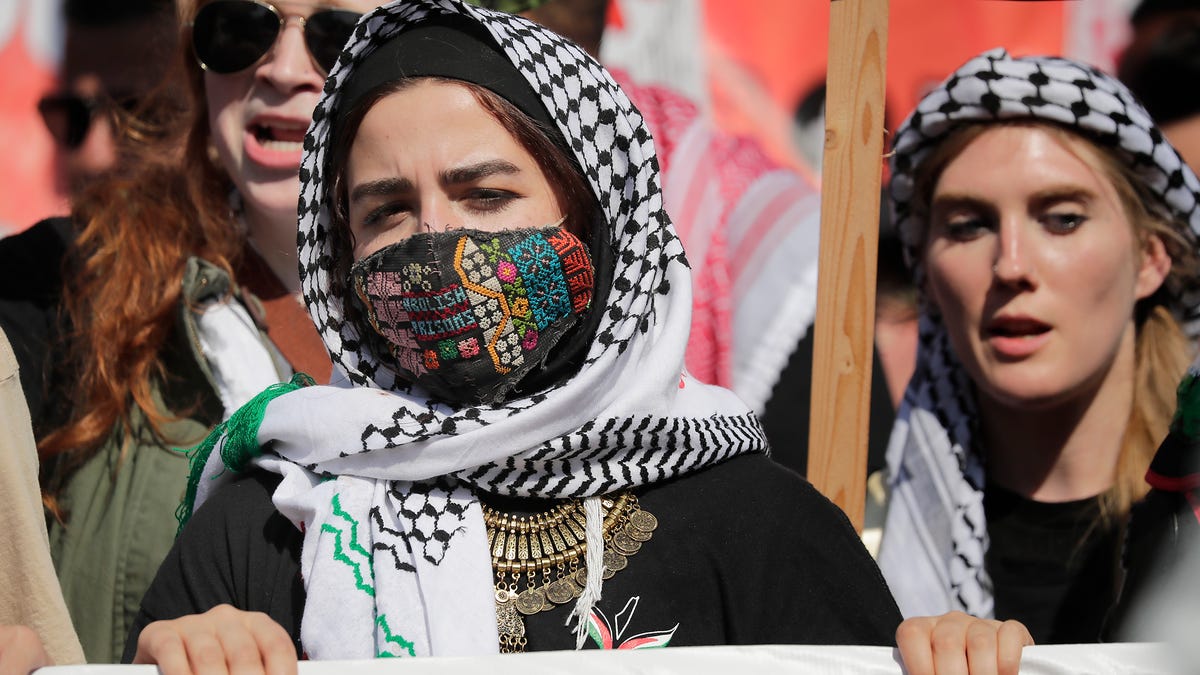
(466, 314)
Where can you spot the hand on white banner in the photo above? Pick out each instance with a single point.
(958, 643)
(219, 641)
(21, 651)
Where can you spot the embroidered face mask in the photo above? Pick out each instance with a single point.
(467, 314)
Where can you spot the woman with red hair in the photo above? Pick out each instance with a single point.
(180, 296)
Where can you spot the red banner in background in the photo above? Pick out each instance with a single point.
(771, 53)
(30, 47)
(753, 62)
(764, 56)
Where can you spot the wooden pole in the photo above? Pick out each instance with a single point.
(845, 322)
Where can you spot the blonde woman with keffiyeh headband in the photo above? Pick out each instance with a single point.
(1052, 231)
(511, 457)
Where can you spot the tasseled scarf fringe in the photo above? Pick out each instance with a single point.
(240, 445)
(594, 561)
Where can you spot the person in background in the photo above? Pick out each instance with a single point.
(1052, 233)
(180, 296)
(116, 52)
(1159, 65)
(808, 127)
(32, 611)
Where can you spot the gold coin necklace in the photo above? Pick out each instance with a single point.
(537, 558)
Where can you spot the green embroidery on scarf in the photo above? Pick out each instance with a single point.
(240, 432)
(339, 550)
(340, 555)
(1187, 406)
(397, 640)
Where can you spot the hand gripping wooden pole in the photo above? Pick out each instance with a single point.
(845, 322)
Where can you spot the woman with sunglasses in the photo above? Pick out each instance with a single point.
(517, 460)
(181, 296)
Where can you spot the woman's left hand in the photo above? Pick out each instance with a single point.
(958, 643)
(221, 641)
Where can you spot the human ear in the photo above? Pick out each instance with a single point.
(1156, 264)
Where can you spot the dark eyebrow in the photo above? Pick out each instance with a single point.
(1054, 195)
(385, 187)
(1042, 199)
(380, 188)
(473, 172)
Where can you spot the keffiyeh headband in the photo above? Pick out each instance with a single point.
(994, 87)
(935, 535)
(382, 479)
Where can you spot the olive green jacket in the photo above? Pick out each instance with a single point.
(120, 505)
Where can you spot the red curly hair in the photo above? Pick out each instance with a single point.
(138, 227)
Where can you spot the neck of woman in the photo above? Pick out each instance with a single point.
(1062, 451)
(273, 236)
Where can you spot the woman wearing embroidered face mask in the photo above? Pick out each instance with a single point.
(164, 338)
(485, 252)
(1052, 229)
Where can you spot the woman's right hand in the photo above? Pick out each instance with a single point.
(221, 640)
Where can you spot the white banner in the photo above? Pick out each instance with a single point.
(1044, 660)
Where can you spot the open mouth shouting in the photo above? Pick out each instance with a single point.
(275, 143)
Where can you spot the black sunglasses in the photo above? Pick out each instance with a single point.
(232, 35)
(69, 116)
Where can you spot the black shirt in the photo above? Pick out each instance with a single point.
(785, 416)
(746, 552)
(30, 291)
(1053, 565)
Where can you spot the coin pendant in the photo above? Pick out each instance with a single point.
(636, 534)
(576, 589)
(614, 562)
(559, 591)
(531, 601)
(643, 520)
(623, 543)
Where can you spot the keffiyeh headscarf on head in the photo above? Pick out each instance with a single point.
(935, 535)
(382, 479)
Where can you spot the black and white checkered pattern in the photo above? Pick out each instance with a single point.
(375, 465)
(615, 151)
(606, 133)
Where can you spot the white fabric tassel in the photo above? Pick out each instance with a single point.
(594, 560)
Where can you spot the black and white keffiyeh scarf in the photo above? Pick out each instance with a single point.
(382, 479)
(935, 534)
